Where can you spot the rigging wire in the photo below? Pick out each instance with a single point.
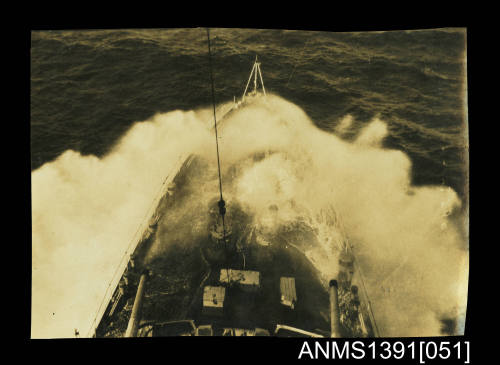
(215, 116)
(221, 203)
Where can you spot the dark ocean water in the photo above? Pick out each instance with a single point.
(89, 87)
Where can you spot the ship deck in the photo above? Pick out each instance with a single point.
(263, 308)
(186, 265)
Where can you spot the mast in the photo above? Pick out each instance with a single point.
(261, 80)
(248, 82)
(255, 76)
(255, 70)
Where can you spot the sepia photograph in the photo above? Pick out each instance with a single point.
(249, 182)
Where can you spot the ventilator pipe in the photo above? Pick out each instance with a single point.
(135, 317)
(334, 309)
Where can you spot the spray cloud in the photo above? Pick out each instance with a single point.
(85, 210)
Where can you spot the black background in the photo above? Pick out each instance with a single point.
(178, 350)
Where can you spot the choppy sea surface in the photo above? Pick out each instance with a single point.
(89, 87)
(111, 111)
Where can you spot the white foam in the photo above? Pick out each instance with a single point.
(85, 210)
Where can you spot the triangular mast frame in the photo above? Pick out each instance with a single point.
(255, 70)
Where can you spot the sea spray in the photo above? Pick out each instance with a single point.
(391, 224)
(415, 262)
(86, 210)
